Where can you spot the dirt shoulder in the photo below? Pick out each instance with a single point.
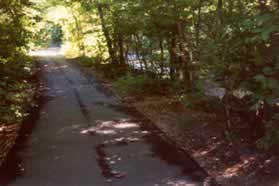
(199, 134)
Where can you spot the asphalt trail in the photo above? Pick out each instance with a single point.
(83, 136)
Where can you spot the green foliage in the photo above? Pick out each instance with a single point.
(131, 84)
(56, 34)
(140, 85)
(13, 33)
(271, 138)
(233, 44)
(15, 89)
(195, 98)
(15, 66)
(177, 43)
(86, 61)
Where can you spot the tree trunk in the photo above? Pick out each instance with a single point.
(153, 67)
(121, 51)
(277, 3)
(106, 34)
(220, 10)
(173, 58)
(227, 111)
(79, 33)
(262, 6)
(141, 55)
(184, 57)
(138, 54)
(162, 57)
(198, 24)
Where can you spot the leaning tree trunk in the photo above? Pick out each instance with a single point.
(121, 51)
(161, 57)
(184, 57)
(79, 33)
(198, 25)
(173, 58)
(106, 34)
(138, 55)
(220, 11)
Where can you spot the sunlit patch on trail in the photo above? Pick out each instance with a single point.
(178, 182)
(50, 52)
(103, 132)
(125, 125)
(61, 67)
(110, 127)
(122, 141)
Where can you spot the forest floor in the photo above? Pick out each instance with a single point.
(201, 135)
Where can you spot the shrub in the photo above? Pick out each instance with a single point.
(144, 84)
(131, 84)
(271, 138)
(15, 73)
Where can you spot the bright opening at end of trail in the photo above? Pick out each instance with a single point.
(51, 52)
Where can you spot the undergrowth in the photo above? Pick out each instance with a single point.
(16, 88)
(140, 85)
